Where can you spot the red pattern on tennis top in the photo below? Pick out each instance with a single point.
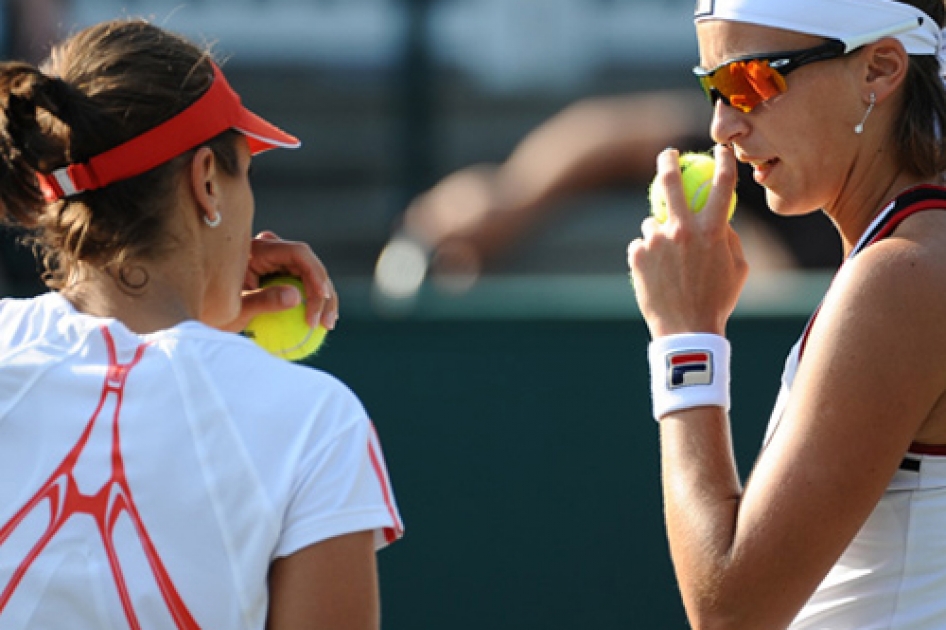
(114, 498)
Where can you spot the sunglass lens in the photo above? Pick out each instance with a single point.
(744, 84)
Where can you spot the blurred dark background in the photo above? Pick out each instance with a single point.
(515, 417)
(389, 96)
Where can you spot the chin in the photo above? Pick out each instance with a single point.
(787, 207)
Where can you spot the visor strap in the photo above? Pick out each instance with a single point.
(210, 115)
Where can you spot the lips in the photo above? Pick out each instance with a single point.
(761, 168)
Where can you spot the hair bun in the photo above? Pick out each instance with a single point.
(33, 137)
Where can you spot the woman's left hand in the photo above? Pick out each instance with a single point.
(272, 255)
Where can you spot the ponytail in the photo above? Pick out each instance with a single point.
(34, 137)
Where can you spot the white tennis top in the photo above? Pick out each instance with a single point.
(150, 481)
(893, 574)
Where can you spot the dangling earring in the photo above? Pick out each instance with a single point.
(213, 222)
(859, 128)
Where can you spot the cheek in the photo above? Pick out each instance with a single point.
(241, 229)
(814, 166)
(794, 187)
(247, 208)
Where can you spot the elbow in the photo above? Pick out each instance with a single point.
(714, 608)
(732, 615)
(710, 618)
(712, 622)
(716, 620)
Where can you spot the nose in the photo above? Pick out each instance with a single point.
(728, 123)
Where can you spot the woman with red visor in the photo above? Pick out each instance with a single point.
(838, 106)
(158, 470)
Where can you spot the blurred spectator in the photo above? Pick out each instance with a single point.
(472, 216)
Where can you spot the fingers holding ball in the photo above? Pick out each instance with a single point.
(286, 333)
(696, 173)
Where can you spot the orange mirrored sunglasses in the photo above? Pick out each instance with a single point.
(745, 82)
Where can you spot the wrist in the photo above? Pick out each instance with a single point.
(689, 370)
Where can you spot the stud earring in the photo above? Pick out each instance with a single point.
(859, 128)
(215, 221)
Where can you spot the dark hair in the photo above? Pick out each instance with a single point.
(100, 88)
(921, 128)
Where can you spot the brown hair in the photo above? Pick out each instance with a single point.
(100, 88)
(921, 130)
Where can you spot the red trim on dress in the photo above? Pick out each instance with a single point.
(927, 449)
(377, 462)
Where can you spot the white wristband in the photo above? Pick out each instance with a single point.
(689, 370)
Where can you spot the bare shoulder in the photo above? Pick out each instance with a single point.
(887, 312)
(881, 332)
(908, 265)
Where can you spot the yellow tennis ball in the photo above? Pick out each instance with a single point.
(696, 171)
(286, 334)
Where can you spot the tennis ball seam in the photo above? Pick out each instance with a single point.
(286, 334)
(299, 346)
(696, 173)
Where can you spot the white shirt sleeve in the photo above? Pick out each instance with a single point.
(342, 487)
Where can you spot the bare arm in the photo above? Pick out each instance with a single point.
(870, 383)
(600, 140)
(478, 211)
(331, 585)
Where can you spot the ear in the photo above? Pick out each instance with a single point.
(886, 67)
(204, 184)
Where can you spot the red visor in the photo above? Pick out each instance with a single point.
(218, 110)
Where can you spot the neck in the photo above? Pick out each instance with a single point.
(145, 302)
(853, 224)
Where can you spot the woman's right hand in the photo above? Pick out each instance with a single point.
(688, 272)
(273, 255)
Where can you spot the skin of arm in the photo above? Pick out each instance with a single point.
(331, 585)
(871, 382)
(477, 212)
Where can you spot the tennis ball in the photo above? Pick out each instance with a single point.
(696, 171)
(286, 334)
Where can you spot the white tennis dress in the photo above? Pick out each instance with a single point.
(150, 480)
(893, 574)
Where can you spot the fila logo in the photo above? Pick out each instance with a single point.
(689, 367)
(704, 7)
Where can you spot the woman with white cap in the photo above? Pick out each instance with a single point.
(838, 105)
(156, 469)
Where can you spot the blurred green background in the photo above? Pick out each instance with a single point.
(517, 428)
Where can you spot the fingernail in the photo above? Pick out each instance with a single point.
(289, 297)
(332, 320)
